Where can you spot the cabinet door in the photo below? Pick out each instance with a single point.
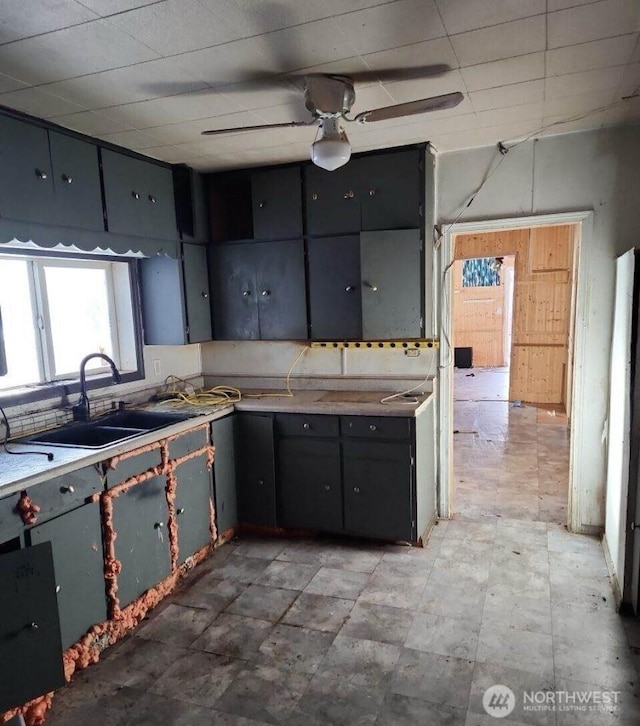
(282, 300)
(391, 190)
(30, 651)
(256, 470)
(142, 544)
(378, 489)
(332, 199)
(277, 203)
(76, 541)
(158, 202)
(391, 264)
(193, 496)
(196, 292)
(26, 182)
(76, 180)
(224, 473)
(232, 276)
(309, 487)
(163, 305)
(334, 288)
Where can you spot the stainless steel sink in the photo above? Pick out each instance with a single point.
(107, 430)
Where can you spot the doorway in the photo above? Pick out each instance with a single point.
(513, 300)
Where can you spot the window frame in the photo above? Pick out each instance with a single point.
(63, 385)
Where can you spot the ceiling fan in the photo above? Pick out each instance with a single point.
(329, 99)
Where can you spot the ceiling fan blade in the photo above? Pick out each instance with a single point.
(424, 105)
(241, 129)
(390, 75)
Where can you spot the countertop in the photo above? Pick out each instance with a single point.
(19, 472)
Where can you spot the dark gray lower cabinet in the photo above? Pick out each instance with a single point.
(142, 544)
(256, 470)
(30, 650)
(224, 473)
(76, 541)
(378, 485)
(193, 494)
(309, 484)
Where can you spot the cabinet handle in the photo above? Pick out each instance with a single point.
(152, 199)
(180, 511)
(349, 288)
(266, 293)
(32, 626)
(372, 192)
(158, 525)
(205, 295)
(314, 197)
(260, 482)
(349, 194)
(327, 488)
(67, 179)
(41, 174)
(356, 490)
(306, 426)
(68, 489)
(246, 293)
(373, 288)
(262, 205)
(373, 427)
(135, 195)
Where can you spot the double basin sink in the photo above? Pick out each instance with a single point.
(107, 430)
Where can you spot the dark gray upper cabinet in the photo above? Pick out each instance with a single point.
(175, 298)
(76, 541)
(76, 180)
(392, 191)
(332, 199)
(48, 177)
(256, 469)
(334, 288)
(193, 494)
(191, 205)
(277, 203)
(391, 264)
(259, 291)
(30, 649)
(139, 197)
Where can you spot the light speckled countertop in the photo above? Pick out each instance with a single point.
(19, 472)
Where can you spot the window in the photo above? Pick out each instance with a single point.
(56, 310)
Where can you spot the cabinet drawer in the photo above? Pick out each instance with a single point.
(10, 520)
(379, 427)
(135, 465)
(306, 425)
(66, 492)
(187, 443)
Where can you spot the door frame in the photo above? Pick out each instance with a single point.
(442, 283)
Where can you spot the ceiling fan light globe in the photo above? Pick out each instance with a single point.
(330, 154)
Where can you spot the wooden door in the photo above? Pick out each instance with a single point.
(224, 472)
(256, 470)
(332, 199)
(193, 494)
(277, 203)
(479, 318)
(196, 292)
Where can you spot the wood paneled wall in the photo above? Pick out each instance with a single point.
(479, 319)
(542, 314)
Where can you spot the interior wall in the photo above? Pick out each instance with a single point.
(593, 170)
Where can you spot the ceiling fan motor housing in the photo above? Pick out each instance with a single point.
(328, 95)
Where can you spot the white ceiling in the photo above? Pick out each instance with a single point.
(132, 71)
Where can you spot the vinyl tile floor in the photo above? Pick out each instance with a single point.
(351, 633)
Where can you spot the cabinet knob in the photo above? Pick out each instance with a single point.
(180, 511)
(306, 426)
(67, 179)
(33, 626)
(135, 195)
(327, 488)
(314, 196)
(152, 199)
(159, 525)
(262, 205)
(260, 482)
(246, 293)
(356, 490)
(266, 293)
(67, 489)
(349, 195)
(373, 427)
(205, 295)
(372, 192)
(41, 174)
(373, 288)
(349, 288)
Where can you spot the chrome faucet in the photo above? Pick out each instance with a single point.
(81, 410)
